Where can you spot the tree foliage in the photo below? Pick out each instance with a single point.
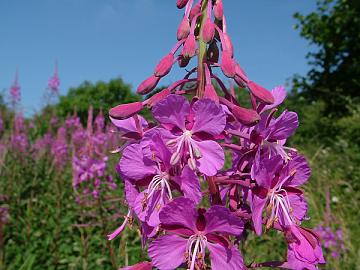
(334, 78)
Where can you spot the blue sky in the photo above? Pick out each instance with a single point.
(103, 39)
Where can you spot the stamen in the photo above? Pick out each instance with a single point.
(195, 251)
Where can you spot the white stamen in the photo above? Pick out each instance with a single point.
(185, 141)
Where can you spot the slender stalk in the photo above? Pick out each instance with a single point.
(202, 53)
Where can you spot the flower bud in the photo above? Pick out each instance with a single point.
(208, 31)
(195, 11)
(210, 93)
(181, 3)
(213, 53)
(148, 85)
(183, 61)
(246, 116)
(240, 76)
(189, 48)
(261, 93)
(184, 29)
(124, 111)
(218, 10)
(228, 64)
(164, 65)
(158, 97)
(228, 44)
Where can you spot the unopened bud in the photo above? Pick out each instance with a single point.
(208, 31)
(184, 29)
(213, 53)
(240, 73)
(189, 48)
(158, 97)
(246, 116)
(261, 93)
(148, 85)
(218, 10)
(210, 93)
(181, 3)
(228, 64)
(228, 44)
(164, 65)
(195, 11)
(124, 111)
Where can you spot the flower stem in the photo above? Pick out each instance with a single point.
(202, 53)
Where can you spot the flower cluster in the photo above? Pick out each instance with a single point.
(89, 159)
(332, 241)
(15, 91)
(54, 81)
(193, 207)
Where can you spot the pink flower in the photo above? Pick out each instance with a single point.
(191, 131)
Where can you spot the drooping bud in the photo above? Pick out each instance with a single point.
(189, 49)
(228, 64)
(261, 93)
(218, 10)
(183, 61)
(210, 93)
(184, 29)
(124, 111)
(246, 116)
(158, 97)
(195, 11)
(148, 85)
(228, 44)
(208, 31)
(213, 53)
(181, 3)
(164, 66)
(240, 77)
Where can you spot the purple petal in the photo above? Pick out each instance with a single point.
(224, 258)
(220, 219)
(212, 157)
(172, 111)
(130, 193)
(139, 210)
(302, 171)
(264, 169)
(298, 205)
(189, 184)
(303, 249)
(134, 166)
(149, 212)
(181, 211)
(257, 208)
(139, 266)
(129, 125)
(279, 93)
(295, 264)
(208, 117)
(167, 252)
(153, 143)
(284, 126)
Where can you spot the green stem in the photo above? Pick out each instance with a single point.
(202, 53)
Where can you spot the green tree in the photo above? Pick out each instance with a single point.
(334, 78)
